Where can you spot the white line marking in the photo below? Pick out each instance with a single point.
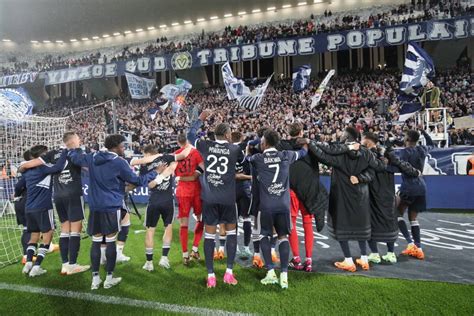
(116, 300)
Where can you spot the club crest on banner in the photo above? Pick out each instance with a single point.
(181, 61)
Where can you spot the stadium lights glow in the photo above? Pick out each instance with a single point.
(46, 42)
(318, 1)
(214, 17)
(138, 30)
(127, 32)
(271, 8)
(150, 28)
(85, 38)
(117, 34)
(286, 6)
(59, 42)
(188, 22)
(227, 15)
(34, 42)
(256, 10)
(302, 3)
(105, 35)
(73, 40)
(201, 19)
(242, 13)
(95, 37)
(6, 40)
(174, 24)
(162, 26)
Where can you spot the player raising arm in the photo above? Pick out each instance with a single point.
(218, 193)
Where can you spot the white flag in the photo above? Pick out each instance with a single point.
(139, 88)
(319, 92)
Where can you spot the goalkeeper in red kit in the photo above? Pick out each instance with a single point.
(188, 194)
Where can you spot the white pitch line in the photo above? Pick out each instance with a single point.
(116, 300)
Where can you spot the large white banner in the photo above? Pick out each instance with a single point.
(140, 88)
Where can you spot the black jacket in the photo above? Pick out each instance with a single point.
(349, 204)
(304, 180)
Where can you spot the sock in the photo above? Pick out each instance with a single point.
(267, 252)
(111, 254)
(198, 231)
(228, 270)
(284, 250)
(247, 225)
(25, 238)
(42, 251)
(95, 277)
(123, 233)
(183, 238)
(74, 246)
(363, 247)
(222, 240)
(96, 254)
(231, 247)
(109, 276)
(373, 246)
(209, 243)
(415, 232)
(149, 254)
(404, 230)
(64, 247)
(391, 246)
(256, 241)
(308, 235)
(294, 244)
(30, 251)
(348, 260)
(165, 250)
(273, 241)
(345, 248)
(102, 251)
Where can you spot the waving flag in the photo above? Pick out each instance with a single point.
(301, 78)
(237, 90)
(235, 87)
(176, 94)
(252, 101)
(417, 72)
(322, 86)
(418, 69)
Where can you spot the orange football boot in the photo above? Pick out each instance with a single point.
(345, 266)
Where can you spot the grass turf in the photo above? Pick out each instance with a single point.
(308, 293)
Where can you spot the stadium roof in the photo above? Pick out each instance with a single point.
(56, 20)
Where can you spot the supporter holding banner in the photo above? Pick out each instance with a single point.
(139, 88)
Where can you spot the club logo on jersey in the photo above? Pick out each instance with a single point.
(276, 189)
(181, 61)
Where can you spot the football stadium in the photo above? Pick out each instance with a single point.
(270, 157)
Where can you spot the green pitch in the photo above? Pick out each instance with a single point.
(185, 286)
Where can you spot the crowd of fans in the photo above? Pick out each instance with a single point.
(324, 23)
(366, 101)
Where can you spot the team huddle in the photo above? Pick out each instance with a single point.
(266, 181)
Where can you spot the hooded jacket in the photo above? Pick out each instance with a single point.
(108, 175)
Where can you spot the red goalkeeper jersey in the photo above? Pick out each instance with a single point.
(186, 168)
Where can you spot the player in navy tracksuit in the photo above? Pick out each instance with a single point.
(273, 168)
(108, 173)
(413, 192)
(39, 209)
(218, 193)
